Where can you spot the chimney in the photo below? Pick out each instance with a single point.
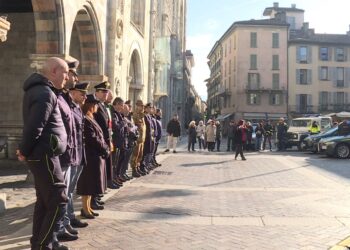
(348, 32)
(305, 26)
(275, 4)
(294, 6)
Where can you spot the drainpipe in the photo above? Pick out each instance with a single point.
(110, 42)
(151, 76)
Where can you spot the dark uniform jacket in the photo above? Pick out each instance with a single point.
(68, 158)
(92, 179)
(79, 127)
(102, 118)
(119, 127)
(43, 131)
(158, 136)
(173, 128)
(148, 147)
(282, 130)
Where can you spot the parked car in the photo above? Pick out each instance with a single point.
(338, 146)
(299, 129)
(311, 141)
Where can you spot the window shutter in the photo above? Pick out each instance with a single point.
(335, 99)
(270, 99)
(346, 98)
(298, 54)
(297, 103)
(329, 101)
(320, 98)
(335, 54)
(319, 73)
(334, 76)
(347, 77)
(345, 54)
(258, 97)
(329, 54)
(319, 53)
(309, 103)
(309, 54)
(309, 76)
(297, 76)
(281, 99)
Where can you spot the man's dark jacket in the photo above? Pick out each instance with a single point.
(173, 128)
(43, 129)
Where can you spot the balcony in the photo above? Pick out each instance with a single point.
(261, 89)
(223, 91)
(302, 109)
(333, 107)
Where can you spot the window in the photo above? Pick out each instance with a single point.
(234, 64)
(339, 53)
(253, 40)
(225, 69)
(303, 54)
(225, 49)
(253, 62)
(230, 46)
(275, 81)
(291, 21)
(253, 80)
(339, 100)
(275, 99)
(253, 99)
(275, 62)
(138, 14)
(303, 76)
(324, 100)
(324, 54)
(340, 77)
(275, 40)
(324, 73)
(303, 103)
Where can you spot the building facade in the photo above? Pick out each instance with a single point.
(114, 40)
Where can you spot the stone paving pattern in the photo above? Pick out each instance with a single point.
(207, 200)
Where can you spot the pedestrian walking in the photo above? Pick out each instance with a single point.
(44, 138)
(192, 135)
(174, 131)
(200, 129)
(241, 138)
(250, 130)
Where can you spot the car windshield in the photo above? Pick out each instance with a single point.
(330, 131)
(301, 123)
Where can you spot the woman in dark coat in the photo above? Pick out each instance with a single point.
(92, 179)
(241, 138)
(192, 134)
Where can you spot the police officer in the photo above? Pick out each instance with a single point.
(314, 129)
(137, 155)
(44, 138)
(149, 139)
(158, 136)
(78, 96)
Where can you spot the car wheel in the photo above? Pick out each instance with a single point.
(342, 151)
(299, 146)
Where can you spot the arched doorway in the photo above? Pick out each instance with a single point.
(85, 43)
(135, 77)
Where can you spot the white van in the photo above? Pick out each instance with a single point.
(299, 129)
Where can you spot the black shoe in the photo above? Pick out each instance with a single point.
(135, 173)
(127, 177)
(174, 152)
(58, 246)
(95, 206)
(71, 230)
(85, 215)
(100, 202)
(66, 236)
(112, 186)
(159, 165)
(244, 159)
(95, 214)
(78, 223)
(166, 151)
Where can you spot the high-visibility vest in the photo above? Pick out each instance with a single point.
(314, 130)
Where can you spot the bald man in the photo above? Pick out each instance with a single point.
(44, 138)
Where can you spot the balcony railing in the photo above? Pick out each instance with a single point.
(223, 91)
(258, 88)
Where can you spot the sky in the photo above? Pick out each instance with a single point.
(207, 21)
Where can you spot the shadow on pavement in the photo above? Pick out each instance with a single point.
(200, 164)
(149, 214)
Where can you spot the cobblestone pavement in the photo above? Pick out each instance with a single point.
(204, 200)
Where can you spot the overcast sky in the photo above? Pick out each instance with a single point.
(207, 20)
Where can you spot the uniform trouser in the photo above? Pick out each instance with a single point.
(116, 158)
(172, 141)
(51, 199)
(137, 155)
(155, 152)
(66, 171)
(74, 177)
(125, 162)
(109, 168)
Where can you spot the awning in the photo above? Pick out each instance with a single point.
(224, 116)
